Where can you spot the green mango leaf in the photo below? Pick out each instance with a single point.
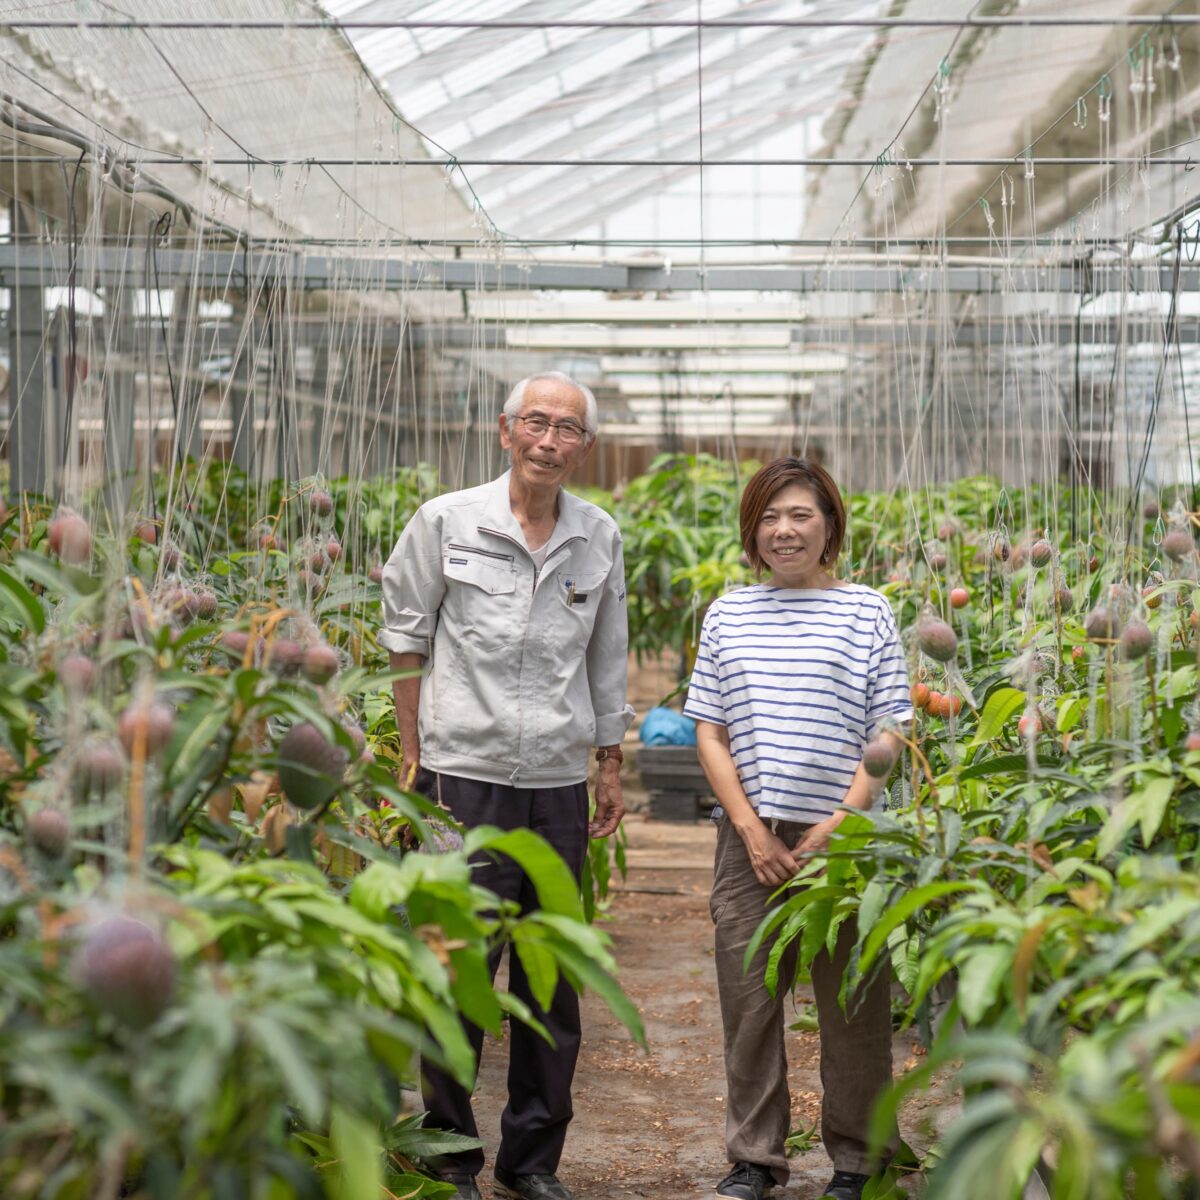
(1001, 706)
(452, 1050)
(1147, 805)
(1156, 795)
(355, 1142)
(815, 932)
(904, 908)
(205, 725)
(59, 578)
(18, 597)
(1151, 924)
(299, 1076)
(1185, 1099)
(1159, 765)
(1182, 683)
(298, 840)
(1070, 712)
(871, 905)
(796, 902)
(518, 1009)
(188, 792)
(473, 991)
(952, 825)
(569, 939)
(980, 978)
(1122, 819)
(378, 889)
(540, 967)
(556, 888)
(1005, 764)
(795, 925)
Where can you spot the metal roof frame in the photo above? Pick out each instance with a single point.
(50, 263)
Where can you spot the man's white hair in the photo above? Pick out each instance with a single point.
(516, 399)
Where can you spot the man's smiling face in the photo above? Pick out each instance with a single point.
(545, 460)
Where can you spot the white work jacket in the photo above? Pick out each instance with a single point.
(525, 669)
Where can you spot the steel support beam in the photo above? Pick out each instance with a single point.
(225, 269)
(1017, 332)
(450, 163)
(867, 334)
(492, 336)
(823, 22)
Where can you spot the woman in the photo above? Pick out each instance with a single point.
(792, 679)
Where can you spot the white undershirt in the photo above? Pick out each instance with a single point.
(539, 555)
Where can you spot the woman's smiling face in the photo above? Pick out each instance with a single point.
(791, 537)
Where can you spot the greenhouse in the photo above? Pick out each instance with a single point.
(599, 600)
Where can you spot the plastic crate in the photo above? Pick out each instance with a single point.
(675, 782)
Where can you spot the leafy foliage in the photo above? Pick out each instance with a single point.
(1031, 880)
(679, 526)
(318, 953)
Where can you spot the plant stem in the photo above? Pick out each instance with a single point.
(1154, 726)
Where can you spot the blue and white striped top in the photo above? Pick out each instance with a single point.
(802, 678)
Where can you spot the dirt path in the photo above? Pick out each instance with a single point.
(650, 1123)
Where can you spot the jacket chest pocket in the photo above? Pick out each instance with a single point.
(573, 612)
(482, 586)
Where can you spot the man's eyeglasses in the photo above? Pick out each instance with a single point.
(568, 432)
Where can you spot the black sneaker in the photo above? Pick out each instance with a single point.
(747, 1181)
(465, 1185)
(530, 1187)
(845, 1185)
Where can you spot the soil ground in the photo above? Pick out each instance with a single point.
(650, 1123)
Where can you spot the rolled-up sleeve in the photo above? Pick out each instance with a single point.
(413, 588)
(704, 699)
(608, 655)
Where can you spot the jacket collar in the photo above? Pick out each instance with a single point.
(497, 515)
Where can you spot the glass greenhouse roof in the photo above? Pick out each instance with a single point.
(667, 94)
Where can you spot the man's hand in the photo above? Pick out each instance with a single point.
(610, 804)
(773, 864)
(409, 766)
(816, 840)
(407, 693)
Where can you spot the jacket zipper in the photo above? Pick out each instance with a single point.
(560, 546)
(477, 550)
(537, 575)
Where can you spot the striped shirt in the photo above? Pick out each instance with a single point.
(802, 678)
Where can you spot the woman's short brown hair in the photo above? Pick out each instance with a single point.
(780, 474)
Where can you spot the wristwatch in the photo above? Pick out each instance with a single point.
(610, 752)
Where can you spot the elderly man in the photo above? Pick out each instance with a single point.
(513, 594)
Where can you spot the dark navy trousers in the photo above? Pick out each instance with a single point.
(533, 1127)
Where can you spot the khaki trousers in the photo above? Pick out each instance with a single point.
(856, 1053)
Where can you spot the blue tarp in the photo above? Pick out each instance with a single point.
(666, 727)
